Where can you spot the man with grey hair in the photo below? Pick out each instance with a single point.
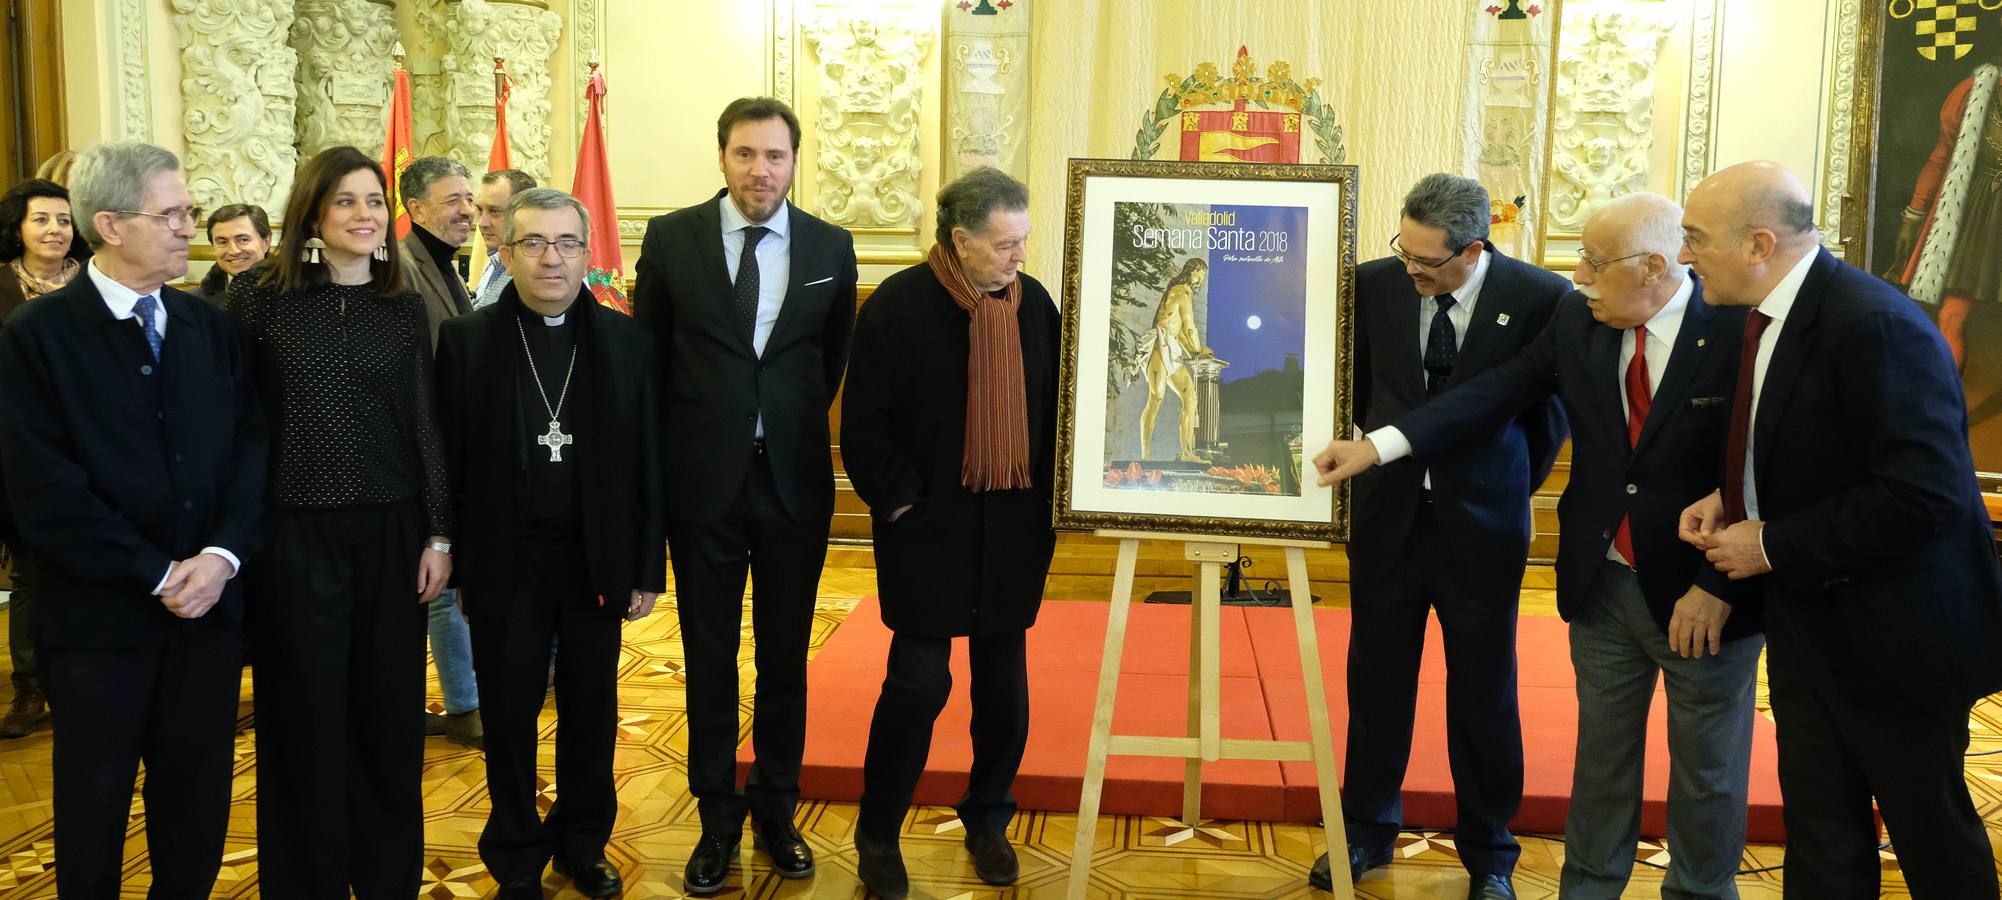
(1848, 500)
(440, 202)
(496, 189)
(136, 454)
(550, 408)
(1447, 535)
(1638, 332)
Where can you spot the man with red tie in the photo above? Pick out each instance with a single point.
(1849, 496)
(1645, 369)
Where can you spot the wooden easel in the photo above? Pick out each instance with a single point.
(1204, 742)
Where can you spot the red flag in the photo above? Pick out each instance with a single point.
(593, 187)
(396, 147)
(497, 158)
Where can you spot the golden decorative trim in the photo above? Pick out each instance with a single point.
(1335, 530)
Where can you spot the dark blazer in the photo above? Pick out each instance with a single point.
(957, 563)
(118, 465)
(716, 386)
(1481, 490)
(617, 453)
(1674, 464)
(1885, 585)
(444, 298)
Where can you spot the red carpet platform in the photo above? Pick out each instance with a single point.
(1262, 698)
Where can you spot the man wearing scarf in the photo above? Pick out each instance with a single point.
(551, 417)
(948, 429)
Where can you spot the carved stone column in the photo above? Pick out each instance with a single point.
(986, 60)
(237, 93)
(344, 65)
(522, 32)
(869, 64)
(1604, 124)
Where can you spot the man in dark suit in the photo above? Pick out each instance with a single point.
(550, 408)
(1450, 535)
(1849, 494)
(136, 458)
(1645, 369)
(439, 198)
(752, 301)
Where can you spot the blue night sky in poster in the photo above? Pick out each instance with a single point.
(1274, 291)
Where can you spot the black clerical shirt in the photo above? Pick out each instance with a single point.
(552, 508)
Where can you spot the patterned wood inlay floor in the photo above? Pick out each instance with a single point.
(657, 825)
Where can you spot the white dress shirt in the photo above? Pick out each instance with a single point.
(1390, 443)
(120, 300)
(1661, 331)
(774, 254)
(1776, 305)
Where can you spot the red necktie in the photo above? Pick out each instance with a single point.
(1741, 420)
(1638, 402)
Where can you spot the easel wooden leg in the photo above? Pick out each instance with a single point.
(1319, 731)
(1192, 768)
(1101, 720)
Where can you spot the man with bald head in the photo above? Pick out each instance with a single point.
(1848, 494)
(1645, 368)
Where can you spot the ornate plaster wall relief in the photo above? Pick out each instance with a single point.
(868, 65)
(1604, 115)
(343, 49)
(238, 98)
(522, 32)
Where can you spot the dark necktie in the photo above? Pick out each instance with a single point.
(1741, 419)
(747, 283)
(1639, 400)
(143, 311)
(1440, 350)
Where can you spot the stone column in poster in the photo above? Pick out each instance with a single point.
(986, 61)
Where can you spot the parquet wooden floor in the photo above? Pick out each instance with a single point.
(1137, 857)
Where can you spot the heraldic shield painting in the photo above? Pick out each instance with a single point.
(1206, 335)
(1928, 162)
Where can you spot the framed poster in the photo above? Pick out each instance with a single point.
(1924, 209)
(1207, 334)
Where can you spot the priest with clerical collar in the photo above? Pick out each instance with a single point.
(550, 409)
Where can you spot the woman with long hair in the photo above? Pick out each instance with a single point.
(357, 541)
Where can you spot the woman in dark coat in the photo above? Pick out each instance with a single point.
(948, 431)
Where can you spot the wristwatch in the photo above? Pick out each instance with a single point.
(440, 546)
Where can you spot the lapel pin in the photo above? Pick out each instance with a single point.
(1501, 319)
(1701, 341)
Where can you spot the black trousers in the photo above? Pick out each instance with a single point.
(171, 705)
(511, 658)
(915, 689)
(1483, 726)
(340, 703)
(21, 621)
(1834, 756)
(783, 557)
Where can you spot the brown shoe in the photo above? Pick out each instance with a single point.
(30, 708)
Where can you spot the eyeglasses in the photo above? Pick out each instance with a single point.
(177, 218)
(1585, 261)
(568, 248)
(1427, 263)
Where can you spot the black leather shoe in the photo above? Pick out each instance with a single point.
(791, 857)
(881, 867)
(709, 866)
(1490, 887)
(1361, 859)
(596, 878)
(993, 857)
(521, 889)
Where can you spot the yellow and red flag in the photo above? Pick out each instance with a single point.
(593, 187)
(396, 147)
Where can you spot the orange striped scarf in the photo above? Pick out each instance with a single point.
(997, 402)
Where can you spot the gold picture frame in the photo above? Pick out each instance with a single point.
(1272, 297)
(1893, 145)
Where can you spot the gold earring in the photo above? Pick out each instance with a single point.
(311, 253)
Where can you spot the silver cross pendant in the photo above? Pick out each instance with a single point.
(555, 440)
